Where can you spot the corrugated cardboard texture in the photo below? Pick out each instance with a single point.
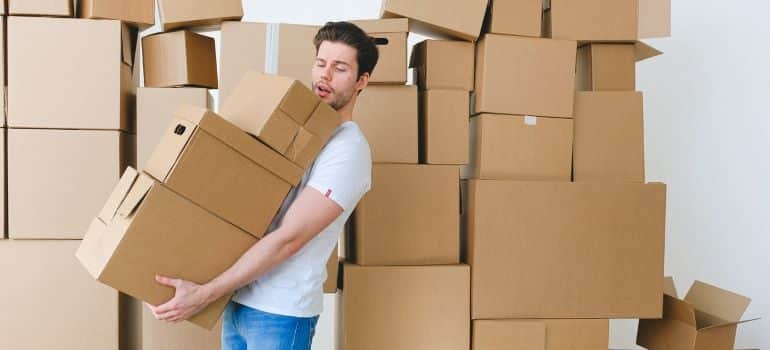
(443, 64)
(607, 20)
(508, 147)
(191, 13)
(553, 334)
(444, 126)
(87, 86)
(55, 8)
(565, 250)
(387, 115)
(58, 179)
(516, 17)
(408, 308)
(409, 217)
(50, 302)
(460, 19)
(609, 137)
(606, 67)
(390, 36)
(180, 58)
(139, 12)
(525, 76)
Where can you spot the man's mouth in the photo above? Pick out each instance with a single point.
(322, 91)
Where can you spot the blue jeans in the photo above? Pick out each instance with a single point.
(244, 328)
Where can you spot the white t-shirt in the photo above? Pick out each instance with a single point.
(342, 172)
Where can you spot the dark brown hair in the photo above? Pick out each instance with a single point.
(353, 36)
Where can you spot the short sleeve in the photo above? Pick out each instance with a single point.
(342, 172)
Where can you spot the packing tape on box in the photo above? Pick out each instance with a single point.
(272, 40)
(530, 120)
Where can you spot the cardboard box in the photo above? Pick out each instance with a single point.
(100, 97)
(409, 217)
(332, 272)
(193, 13)
(532, 334)
(179, 58)
(509, 147)
(608, 20)
(525, 76)
(138, 235)
(609, 137)
(155, 109)
(388, 117)
(3, 94)
(137, 12)
(49, 302)
(460, 19)
(610, 67)
(707, 318)
(390, 36)
(565, 250)
(515, 17)
(52, 8)
(435, 298)
(3, 198)
(443, 126)
(219, 167)
(49, 171)
(443, 64)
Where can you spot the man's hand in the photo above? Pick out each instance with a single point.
(190, 298)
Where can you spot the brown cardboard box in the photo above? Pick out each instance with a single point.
(444, 126)
(332, 272)
(49, 302)
(461, 19)
(609, 20)
(390, 36)
(219, 167)
(3, 199)
(610, 67)
(155, 109)
(53, 8)
(192, 13)
(138, 235)
(443, 64)
(609, 137)
(100, 97)
(532, 334)
(411, 216)
(509, 147)
(525, 76)
(566, 250)
(179, 58)
(388, 117)
(707, 318)
(515, 17)
(138, 12)
(58, 179)
(406, 308)
(2, 72)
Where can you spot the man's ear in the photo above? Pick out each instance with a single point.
(363, 81)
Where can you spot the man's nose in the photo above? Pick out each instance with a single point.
(326, 73)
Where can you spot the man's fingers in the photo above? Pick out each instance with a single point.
(166, 281)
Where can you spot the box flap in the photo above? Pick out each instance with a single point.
(141, 187)
(118, 194)
(654, 18)
(388, 25)
(644, 51)
(714, 305)
(168, 150)
(705, 329)
(676, 309)
(128, 43)
(669, 288)
(90, 252)
(299, 102)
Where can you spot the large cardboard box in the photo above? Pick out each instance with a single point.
(89, 84)
(155, 108)
(408, 308)
(509, 147)
(443, 64)
(409, 217)
(138, 12)
(609, 137)
(461, 19)
(608, 20)
(565, 250)
(192, 13)
(443, 126)
(610, 67)
(525, 76)
(145, 229)
(515, 17)
(58, 179)
(49, 302)
(388, 117)
(53, 8)
(179, 58)
(390, 36)
(707, 318)
(544, 334)
(219, 167)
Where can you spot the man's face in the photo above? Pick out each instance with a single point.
(335, 74)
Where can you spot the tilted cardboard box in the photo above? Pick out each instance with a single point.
(179, 58)
(137, 12)
(192, 13)
(543, 334)
(443, 64)
(390, 36)
(388, 116)
(443, 126)
(52, 8)
(608, 20)
(610, 67)
(460, 19)
(515, 17)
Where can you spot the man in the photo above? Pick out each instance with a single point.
(279, 281)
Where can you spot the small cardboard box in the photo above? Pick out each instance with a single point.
(609, 137)
(509, 147)
(140, 233)
(543, 334)
(58, 179)
(51, 8)
(707, 318)
(610, 67)
(192, 13)
(443, 126)
(460, 19)
(409, 217)
(137, 12)
(390, 36)
(49, 302)
(179, 58)
(89, 84)
(388, 116)
(515, 17)
(376, 300)
(565, 250)
(608, 20)
(525, 76)
(443, 64)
